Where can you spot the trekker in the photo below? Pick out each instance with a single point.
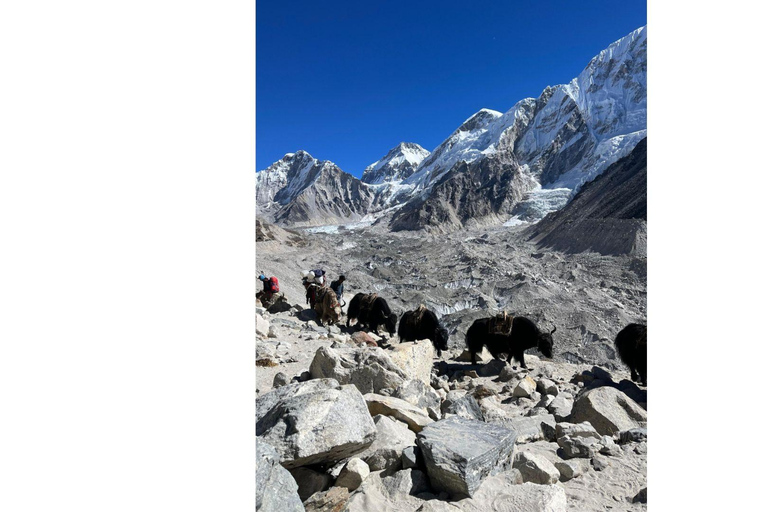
(271, 287)
(338, 287)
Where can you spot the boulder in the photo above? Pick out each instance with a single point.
(633, 435)
(392, 438)
(529, 428)
(493, 367)
(410, 457)
(500, 493)
(369, 369)
(310, 481)
(415, 417)
(460, 453)
(415, 359)
(280, 380)
(276, 490)
(560, 407)
(262, 326)
(393, 493)
(417, 393)
(570, 469)
(578, 447)
(332, 500)
(535, 468)
(584, 429)
(547, 387)
(507, 374)
(353, 474)
(524, 388)
(608, 410)
(314, 422)
(362, 338)
(463, 405)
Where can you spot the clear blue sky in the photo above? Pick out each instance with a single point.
(347, 81)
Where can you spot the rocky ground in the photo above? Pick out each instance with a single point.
(470, 274)
(349, 421)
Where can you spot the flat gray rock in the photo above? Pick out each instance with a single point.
(370, 369)
(460, 453)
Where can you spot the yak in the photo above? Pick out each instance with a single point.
(523, 335)
(327, 306)
(631, 344)
(371, 310)
(422, 324)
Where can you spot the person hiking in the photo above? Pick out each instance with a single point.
(271, 287)
(338, 287)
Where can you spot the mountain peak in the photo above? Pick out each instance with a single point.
(399, 163)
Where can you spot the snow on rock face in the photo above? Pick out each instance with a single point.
(399, 163)
(560, 140)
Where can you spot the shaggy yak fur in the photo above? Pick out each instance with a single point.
(423, 325)
(631, 344)
(524, 335)
(372, 315)
(327, 306)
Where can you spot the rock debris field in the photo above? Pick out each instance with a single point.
(350, 421)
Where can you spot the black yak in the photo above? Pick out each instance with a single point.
(524, 335)
(631, 344)
(422, 324)
(371, 310)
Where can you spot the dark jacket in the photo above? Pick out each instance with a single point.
(337, 287)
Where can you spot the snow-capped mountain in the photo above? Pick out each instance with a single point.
(545, 147)
(399, 163)
(496, 167)
(300, 190)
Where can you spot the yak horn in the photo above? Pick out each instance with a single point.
(553, 330)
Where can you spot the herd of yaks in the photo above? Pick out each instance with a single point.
(500, 334)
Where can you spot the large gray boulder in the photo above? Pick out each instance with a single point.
(276, 490)
(314, 422)
(392, 438)
(460, 453)
(608, 410)
(370, 369)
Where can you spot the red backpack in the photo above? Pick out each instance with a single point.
(273, 286)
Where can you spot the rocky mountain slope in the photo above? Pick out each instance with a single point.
(496, 167)
(399, 163)
(608, 215)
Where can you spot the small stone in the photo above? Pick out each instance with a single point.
(353, 474)
(578, 447)
(280, 380)
(609, 447)
(524, 388)
(570, 469)
(547, 387)
(535, 468)
(600, 462)
(634, 435)
(507, 374)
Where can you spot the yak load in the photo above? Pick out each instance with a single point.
(324, 302)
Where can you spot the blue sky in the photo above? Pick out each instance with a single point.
(347, 81)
